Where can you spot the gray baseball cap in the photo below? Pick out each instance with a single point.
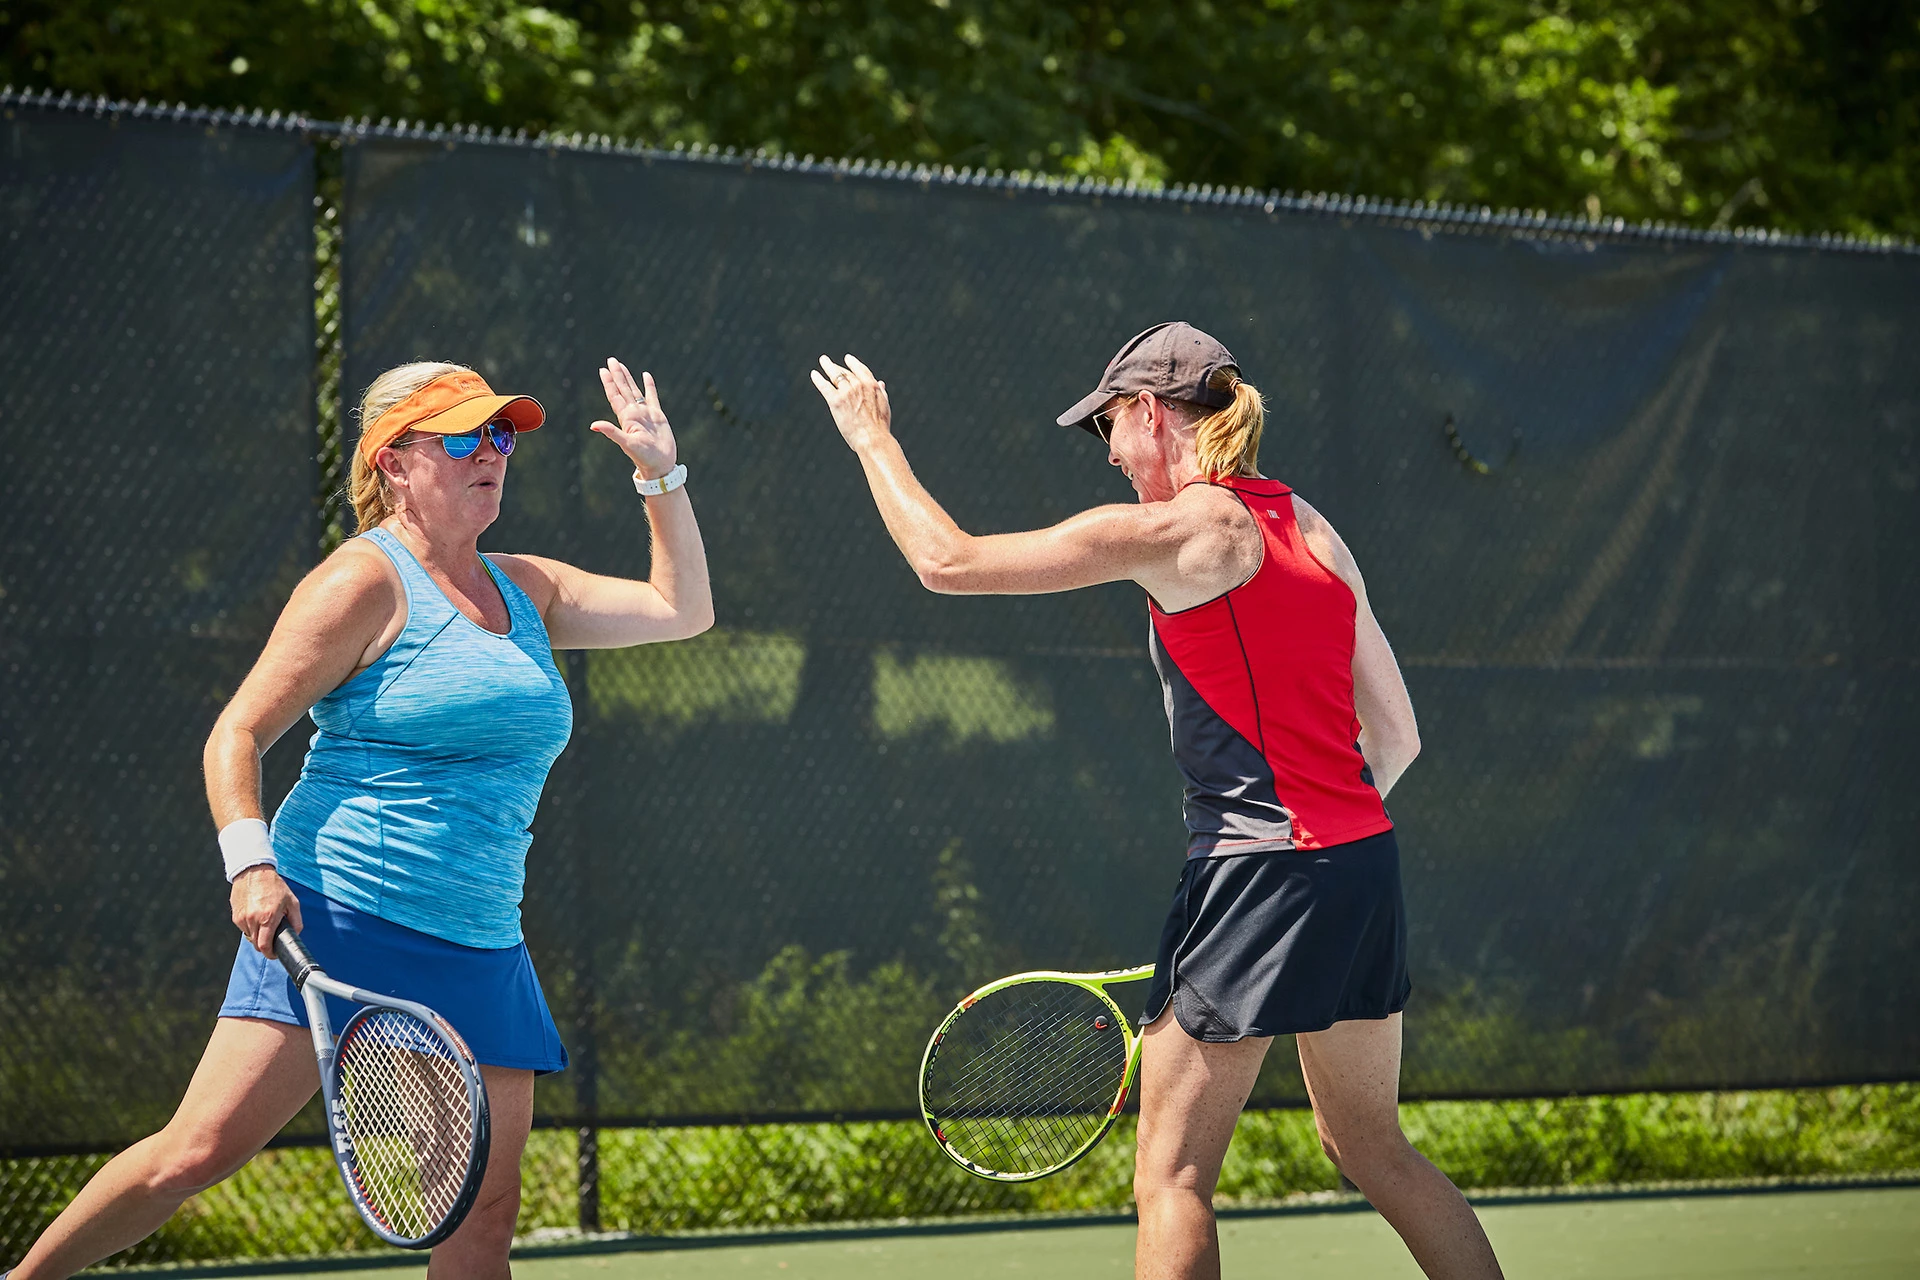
(1173, 360)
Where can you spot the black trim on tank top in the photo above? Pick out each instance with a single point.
(1174, 613)
(1242, 805)
(1246, 660)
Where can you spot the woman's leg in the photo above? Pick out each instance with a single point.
(254, 1077)
(1352, 1071)
(1191, 1093)
(478, 1250)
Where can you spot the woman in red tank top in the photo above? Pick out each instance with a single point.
(1290, 724)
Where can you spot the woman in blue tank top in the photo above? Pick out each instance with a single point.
(401, 852)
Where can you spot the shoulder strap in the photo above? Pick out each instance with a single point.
(425, 601)
(519, 603)
(1260, 485)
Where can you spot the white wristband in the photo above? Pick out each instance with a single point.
(665, 484)
(244, 844)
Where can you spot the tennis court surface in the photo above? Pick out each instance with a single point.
(1857, 1235)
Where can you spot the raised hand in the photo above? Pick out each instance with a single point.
(858, 400)
(640, 427)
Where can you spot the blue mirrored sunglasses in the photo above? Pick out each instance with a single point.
(467, 443)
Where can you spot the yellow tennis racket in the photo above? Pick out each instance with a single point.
(1027, 1074)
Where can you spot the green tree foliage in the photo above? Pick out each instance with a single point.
(1796, 114)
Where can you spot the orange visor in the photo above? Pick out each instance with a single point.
(452, 404)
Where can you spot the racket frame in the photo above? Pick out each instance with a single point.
(314, 986)
(1097, 984)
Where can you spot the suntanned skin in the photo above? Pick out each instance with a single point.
(1187, 543)
(347, 612)
(256, 1074)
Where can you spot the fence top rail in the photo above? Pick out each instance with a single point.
(1424, 215)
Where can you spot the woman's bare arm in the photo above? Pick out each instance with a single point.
(586, 610)
(1107, 544)
(595, 611)
(321, 638)
(1389, 736)
(1182, 551)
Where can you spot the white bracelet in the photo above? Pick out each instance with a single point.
(244, 844)
(665, 484)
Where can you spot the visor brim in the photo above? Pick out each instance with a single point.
(524, 412)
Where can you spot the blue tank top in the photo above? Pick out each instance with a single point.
(418, 790)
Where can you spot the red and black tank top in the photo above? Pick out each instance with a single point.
(1259, 693)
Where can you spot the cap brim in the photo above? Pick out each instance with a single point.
(524, 412)
(1081, 415)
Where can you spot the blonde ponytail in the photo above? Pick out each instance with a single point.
(1226, 442)
(367, 485)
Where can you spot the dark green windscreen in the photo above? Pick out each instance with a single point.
(1638, 517)
(1660, 648)
(157, 504)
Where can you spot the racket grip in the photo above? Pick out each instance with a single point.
(293, 954)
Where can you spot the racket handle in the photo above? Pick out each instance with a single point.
(293, 954)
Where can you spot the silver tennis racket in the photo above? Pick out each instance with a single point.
(406, 1106)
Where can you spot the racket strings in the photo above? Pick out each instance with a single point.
(1027, 1076)
(408, 1114)
(1012, 1053)
(1038, 1095)
(1040, 1124)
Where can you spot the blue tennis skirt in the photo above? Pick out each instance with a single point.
(492, 997)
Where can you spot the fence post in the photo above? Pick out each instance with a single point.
(589, 1166)
(586, 1092)
(585, 1066)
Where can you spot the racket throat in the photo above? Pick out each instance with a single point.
(321, 1028)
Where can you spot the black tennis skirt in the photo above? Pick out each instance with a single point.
(1269, 944)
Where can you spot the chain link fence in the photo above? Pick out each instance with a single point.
(1635, 505)
(287, 1203)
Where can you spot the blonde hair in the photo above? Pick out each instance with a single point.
(1226, 442)
(367, 487)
